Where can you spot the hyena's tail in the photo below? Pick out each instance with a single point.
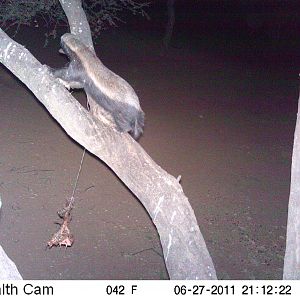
(138, 125)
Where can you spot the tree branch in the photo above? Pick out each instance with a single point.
(78, 22)
(184, 248)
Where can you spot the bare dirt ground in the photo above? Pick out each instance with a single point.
(222, 122)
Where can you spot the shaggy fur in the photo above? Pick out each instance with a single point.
(102, 86)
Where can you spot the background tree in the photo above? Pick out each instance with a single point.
(170, 24)
(291, 270)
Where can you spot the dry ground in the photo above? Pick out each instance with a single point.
(222, 122)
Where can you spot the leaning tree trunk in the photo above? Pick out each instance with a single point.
(185, 252)
(291, 268)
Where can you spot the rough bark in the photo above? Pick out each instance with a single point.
(78, 23)
(185, 252)
(291, 269)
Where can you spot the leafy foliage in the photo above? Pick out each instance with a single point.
(101, 13)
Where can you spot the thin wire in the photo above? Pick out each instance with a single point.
(77, 178)
(80, 166)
